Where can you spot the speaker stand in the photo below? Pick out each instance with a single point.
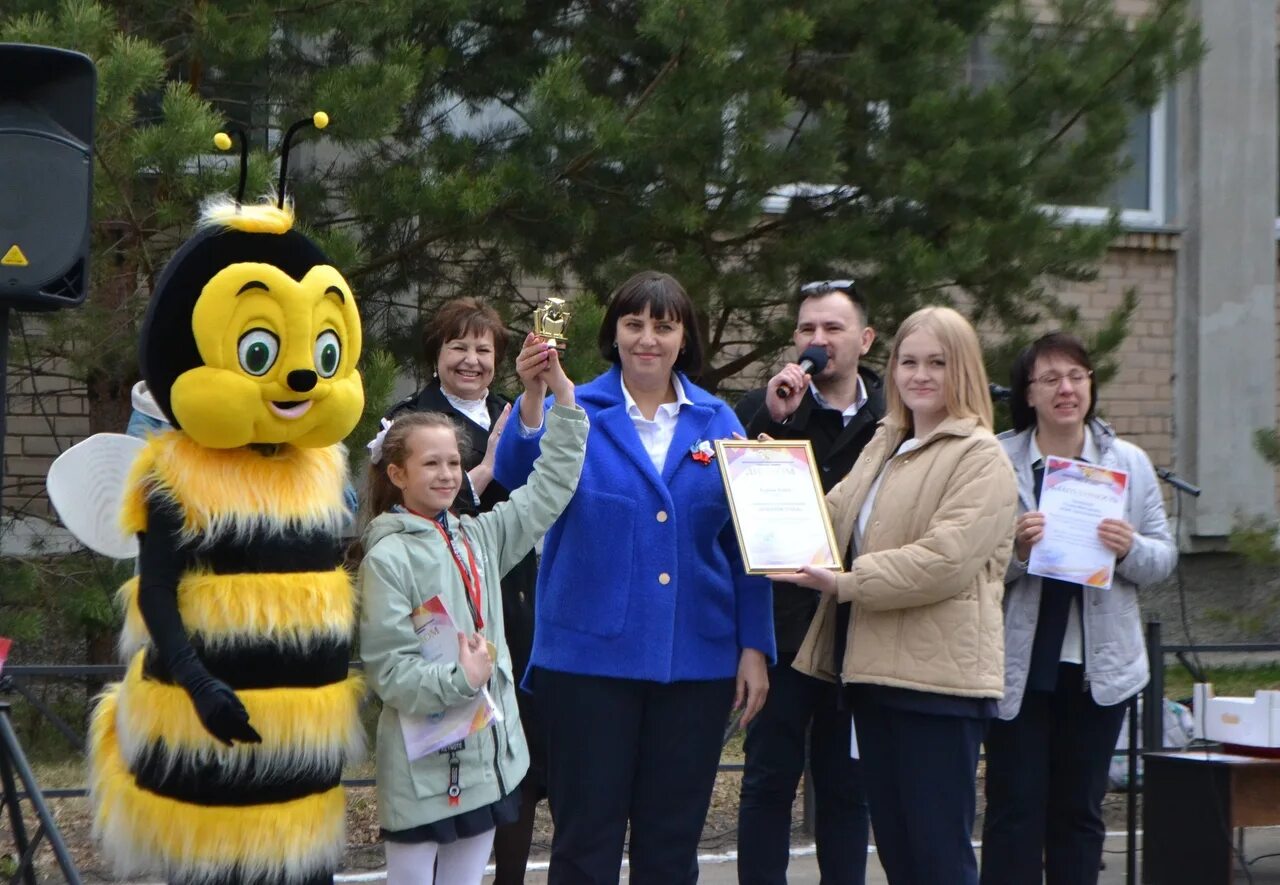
(13, 759)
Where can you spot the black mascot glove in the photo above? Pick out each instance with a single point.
(220, 711)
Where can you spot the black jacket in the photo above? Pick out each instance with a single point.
(836, 448)
(518, 585)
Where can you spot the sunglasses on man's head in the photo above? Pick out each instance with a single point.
(822, 287)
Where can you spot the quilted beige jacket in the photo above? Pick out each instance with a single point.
(927, 584)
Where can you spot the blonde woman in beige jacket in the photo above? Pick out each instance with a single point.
(927, 515)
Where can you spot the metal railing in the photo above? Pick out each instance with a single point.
(1153, 715)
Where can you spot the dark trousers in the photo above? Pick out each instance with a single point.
(511, 842)
(775, 751)
(622, 750)
(920, 771)
(1046, 779)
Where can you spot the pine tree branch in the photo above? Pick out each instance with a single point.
(787, 220)
(722, 321)
(147, 265)
(577, 163)
(1060, 32)
(572, 168)
(714, 376)
(1088, 105)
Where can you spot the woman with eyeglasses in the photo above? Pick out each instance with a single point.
(1073, 654)
(927, 515)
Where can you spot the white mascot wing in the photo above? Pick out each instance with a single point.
(86, 485)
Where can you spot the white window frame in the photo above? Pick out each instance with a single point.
(1155, 215)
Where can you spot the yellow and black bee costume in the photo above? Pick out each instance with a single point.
(217, 759)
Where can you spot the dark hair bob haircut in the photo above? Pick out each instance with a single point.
(1060, 344)
(459, 318)
(664, 298)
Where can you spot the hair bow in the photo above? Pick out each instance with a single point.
(375, 444)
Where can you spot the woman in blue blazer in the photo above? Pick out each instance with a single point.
(648, 629)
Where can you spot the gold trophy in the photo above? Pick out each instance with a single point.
(551, 322)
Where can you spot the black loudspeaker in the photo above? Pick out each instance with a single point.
(46, 175)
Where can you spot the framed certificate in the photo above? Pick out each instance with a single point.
(778, 506)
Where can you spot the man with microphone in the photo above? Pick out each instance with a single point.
(828, 399)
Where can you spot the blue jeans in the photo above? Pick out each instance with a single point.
(800, 707)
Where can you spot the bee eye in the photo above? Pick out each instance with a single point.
(328, 354)
(258, 351)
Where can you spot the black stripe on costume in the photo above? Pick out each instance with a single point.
(287, 551)
(237, 876)
(208, 784)
(263, 664)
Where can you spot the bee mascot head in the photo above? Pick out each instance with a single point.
(252, 336)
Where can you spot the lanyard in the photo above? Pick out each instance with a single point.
(470, 580)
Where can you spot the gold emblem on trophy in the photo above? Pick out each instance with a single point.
(551, 322)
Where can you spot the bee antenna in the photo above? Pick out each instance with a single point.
(222, 141)
(319, 120)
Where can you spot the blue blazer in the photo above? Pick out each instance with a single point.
(641, 577)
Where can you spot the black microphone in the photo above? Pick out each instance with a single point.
(812, 361)
(999, 392)
(1178, 482)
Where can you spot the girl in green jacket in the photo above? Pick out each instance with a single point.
(438, 804)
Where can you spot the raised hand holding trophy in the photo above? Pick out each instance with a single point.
(551, 322)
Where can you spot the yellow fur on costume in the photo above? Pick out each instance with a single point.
(237, 491)
(256, 218)
(300, 726)
(293, 839)
(226, 609)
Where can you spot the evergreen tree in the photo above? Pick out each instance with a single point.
(576, 143)
(484, 147)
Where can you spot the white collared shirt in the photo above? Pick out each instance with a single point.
(656, 435)
(1073, 637)
(859, 401)
(475, 409)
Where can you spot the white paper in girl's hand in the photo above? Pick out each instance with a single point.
(438, 634)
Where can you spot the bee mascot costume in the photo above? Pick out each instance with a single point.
(218, 758)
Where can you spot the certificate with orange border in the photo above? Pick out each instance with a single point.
(1076, 497)
(779, 508)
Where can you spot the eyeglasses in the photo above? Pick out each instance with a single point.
(1050, 380)
(822, 287)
